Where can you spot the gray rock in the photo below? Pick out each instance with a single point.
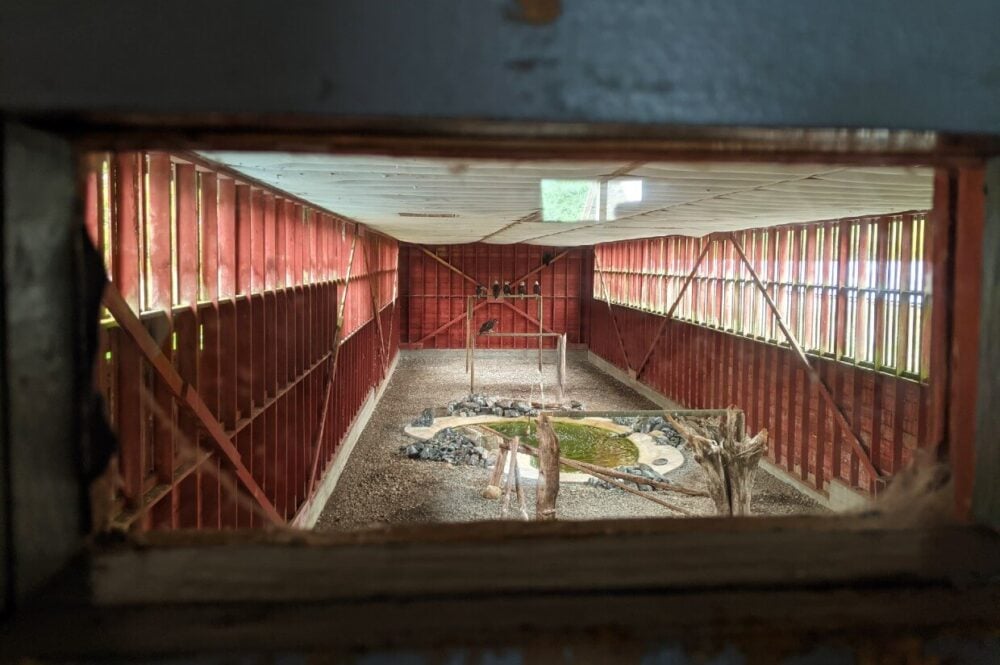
(426, 419)
(497, 411)
(661, 461)
(512, 413)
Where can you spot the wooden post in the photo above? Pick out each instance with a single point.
(541, 313)
(511, 471)
(547, 490)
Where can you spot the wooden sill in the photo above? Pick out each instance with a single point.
(481, 584)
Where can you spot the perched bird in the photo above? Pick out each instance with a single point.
(488, 326)
(537, 289)
(522, 290)
(496, 289)
(506, 289)
(547, 258)
(481, 291)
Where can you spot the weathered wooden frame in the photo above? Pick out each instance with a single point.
(423, 586)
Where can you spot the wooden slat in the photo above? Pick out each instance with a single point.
(181, 390)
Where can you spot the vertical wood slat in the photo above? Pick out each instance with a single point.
(832, 265)
(201, 264)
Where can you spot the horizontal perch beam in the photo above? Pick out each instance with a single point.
(526, 334)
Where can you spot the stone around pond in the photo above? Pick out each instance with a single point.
(426, 419)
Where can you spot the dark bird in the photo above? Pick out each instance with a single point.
(481, 291)
(506, 289)
(488, 326)
(496, 289)
(522, 290)
(547, 258)
(537, 288)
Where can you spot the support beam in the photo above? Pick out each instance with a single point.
(331, 377)
(447, 265)
(611, 313)
(670, 312)
(986, 490)
(838, 411)
(183, 392)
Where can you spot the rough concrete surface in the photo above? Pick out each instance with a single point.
(381, 486)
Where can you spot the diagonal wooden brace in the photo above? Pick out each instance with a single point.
(670, 312)
(182, 390)
(824, 390)
(446, 264)
(611, 312)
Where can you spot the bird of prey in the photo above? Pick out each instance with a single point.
(506, 289)
(481, 291)
(488, 326)
(547, 258)
(522, 290)
(537, 288)
(496, 289)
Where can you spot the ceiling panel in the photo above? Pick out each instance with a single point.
(444, 201)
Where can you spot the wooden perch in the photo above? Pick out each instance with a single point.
(728, 457)
(547, 489)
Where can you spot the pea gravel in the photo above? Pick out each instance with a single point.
(380, 486)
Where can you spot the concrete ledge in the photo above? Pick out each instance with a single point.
(309, 514)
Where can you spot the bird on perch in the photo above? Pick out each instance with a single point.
(522, 290)
(506, 289)
(488, 326)
(547, 258)
(537, 289)
(496, 289)
(481, 291)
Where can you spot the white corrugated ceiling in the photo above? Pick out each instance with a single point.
(446, 201)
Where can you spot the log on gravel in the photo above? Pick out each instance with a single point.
(547, 489)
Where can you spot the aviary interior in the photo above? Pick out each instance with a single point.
(341, 341)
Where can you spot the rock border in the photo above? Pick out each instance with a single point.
(649, 450)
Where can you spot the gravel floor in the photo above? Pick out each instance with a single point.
(379, 486)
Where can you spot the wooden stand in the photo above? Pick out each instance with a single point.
(471, 333)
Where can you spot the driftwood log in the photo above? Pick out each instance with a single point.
(727, 455)
(547, 489)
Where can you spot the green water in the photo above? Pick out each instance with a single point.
(582, 443)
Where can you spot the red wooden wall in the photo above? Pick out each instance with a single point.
(704, 368)
(240, 287)
(434, 296)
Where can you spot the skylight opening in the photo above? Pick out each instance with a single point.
(574, 201)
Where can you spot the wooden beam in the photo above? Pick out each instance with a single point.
(542, 267)
(318, 442)
(986, 491)
(409, 561)
(440, 329)
(670, 312)
(182, 390)
(611, 312)
(824, 390)
(529, 319)
(446, 264)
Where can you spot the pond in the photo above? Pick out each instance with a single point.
(582, 443)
